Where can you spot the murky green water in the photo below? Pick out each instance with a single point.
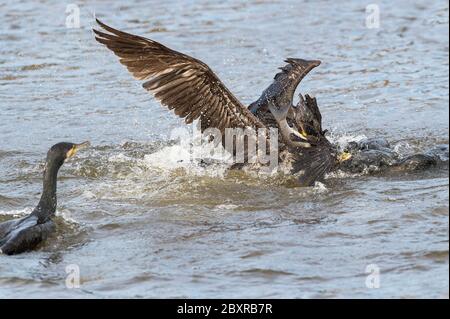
(138, 222)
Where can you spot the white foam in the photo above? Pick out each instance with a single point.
(88, 194)
(226, 207)
(17, 213)
(65, 214)
(341, 174)
(27, 211)
(190, 155)
(403, 148)
(120, 158)
(320, 188)
(343, 139)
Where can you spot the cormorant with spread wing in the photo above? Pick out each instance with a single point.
(192, 90)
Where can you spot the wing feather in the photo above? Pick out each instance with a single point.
(178, 81)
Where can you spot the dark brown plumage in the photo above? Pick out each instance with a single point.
(178, 81)
(190, 88)
(315, 162)
(308, 117)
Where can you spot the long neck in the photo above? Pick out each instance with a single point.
(291, 82)
(47, 204)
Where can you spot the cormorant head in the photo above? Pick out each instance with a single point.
(344, 156)
(309, 121)
(340, 156)
(58, 153)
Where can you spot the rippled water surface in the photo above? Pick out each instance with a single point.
(140, 222)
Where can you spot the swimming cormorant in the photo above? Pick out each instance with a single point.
(20, 235)
(190, 88)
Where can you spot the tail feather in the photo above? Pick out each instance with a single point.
(314, 164)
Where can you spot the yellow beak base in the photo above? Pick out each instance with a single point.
(73, 151)
(344, 156)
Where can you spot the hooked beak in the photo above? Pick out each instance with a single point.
(76, 148)
(303, 134)
(344, 156)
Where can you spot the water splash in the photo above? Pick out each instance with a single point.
(20, 213)
(343, 139)
(17, 213)
(194, 156)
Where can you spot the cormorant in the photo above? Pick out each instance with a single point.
(190, 88)
(20, 235)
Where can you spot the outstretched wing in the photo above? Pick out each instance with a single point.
(180, 82)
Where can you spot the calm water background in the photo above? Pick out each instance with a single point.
(140, 223)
